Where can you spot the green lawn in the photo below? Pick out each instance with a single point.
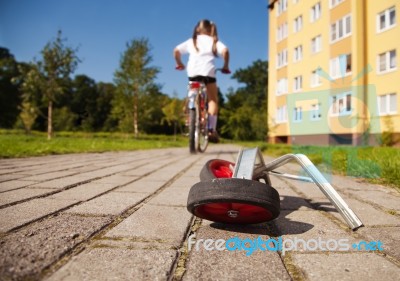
(17, 144)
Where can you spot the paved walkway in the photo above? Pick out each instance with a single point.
(123, 216)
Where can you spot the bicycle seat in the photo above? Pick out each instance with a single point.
(194, 84)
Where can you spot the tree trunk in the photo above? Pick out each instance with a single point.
(50, 120)
(135, 115)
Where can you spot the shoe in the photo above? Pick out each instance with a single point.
(213, 136)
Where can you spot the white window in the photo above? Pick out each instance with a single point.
(282, 6)
(281, 114)
(387, 61)
(315, 12)
(333, 3)
(340, 66)
(386, 19)
(341, 29)
(315, 78)
(282, 32)
(282, 86)
(297, 114)
(298, 83)
(282, 58)
(298, 53)
(387, 104)
(316, 44)
(297, 24)
(315, 113)
(341, 104)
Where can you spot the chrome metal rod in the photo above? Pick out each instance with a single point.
(348, 215)
(289, 176)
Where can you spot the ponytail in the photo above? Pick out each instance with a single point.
(208, 27)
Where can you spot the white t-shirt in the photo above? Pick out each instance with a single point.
(201, 62)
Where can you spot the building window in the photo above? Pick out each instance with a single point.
(282, 6)
(341, 29)
(316, 44)
(298, 53)
(315, 78)
(387, 104)
(282, 86)
(340, 66)
(315, 113)
(282, 58)
(298, 83)
(297, 24)
(334, 3)
(387, 61)
(297, 114)
(315, 12)
(282, 32)
(341, 104)
(281, 114)
(386, 19)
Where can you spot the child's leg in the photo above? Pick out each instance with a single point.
(212, 93)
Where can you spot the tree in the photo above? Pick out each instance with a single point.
(59, 62)
(135, 77)
(244, 116)
(173, 113)
(9, 95)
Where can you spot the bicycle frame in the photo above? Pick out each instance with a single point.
(198, 116)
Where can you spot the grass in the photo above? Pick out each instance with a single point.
(376, 164)
(16, 144)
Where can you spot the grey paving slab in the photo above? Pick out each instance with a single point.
(154, 222)
(369, 215)
(112, 203)
(17, 215)
(144, 185)
(387, 199)
(22, 194)
(233, 265)
(14, 184)
(346, 266)
(171, 197)
(60, 183)
(83, 192)
(47, 176)
(25, 253)
(117, 264)
(389, 236)
(116, 179)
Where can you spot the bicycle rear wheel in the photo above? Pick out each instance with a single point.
(192, 130)
(201, 124)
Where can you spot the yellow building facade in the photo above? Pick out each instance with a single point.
(334, 76)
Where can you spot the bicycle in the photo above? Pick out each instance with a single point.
(197, 110)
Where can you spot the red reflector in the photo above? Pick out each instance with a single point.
(194, 85)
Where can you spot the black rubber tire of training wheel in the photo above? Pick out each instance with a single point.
(192, 130)
(206, 173)
(234, 190)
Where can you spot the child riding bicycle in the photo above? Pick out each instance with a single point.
(203, 48)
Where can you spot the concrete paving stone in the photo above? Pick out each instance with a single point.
(185, 182)
(389, 236)
(8, 177)
(47, 176)
(112, 203)
(21, 194)
(369, 215)
(346, 183)
(171, 197)
(116, 180)
(309, 225)
(345, 266)
(233, 265)
(14, 184)
(83, 192)
(60, 183)
(144, 185)
(154, 222)
(17, 215)
(117, 264)
(26, 252)
(387, 199)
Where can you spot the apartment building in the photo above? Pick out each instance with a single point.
(334, 76)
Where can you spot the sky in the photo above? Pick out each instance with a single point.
(101, 30)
